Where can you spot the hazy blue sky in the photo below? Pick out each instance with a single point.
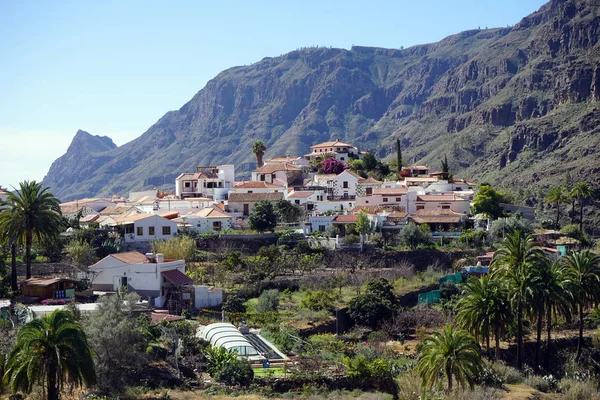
(115, 67)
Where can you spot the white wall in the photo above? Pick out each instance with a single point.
(202, 225)
(207, 297)
(316, 221)
(152, 221)
(341, 205)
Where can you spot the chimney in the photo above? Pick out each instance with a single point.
(160, 258)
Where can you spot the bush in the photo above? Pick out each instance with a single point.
(237, 372)
(377, 304)
(234, 304)
(350, 240)
(546, 384)
(317, 301)
(412, 235)
(268, 301)
(579, 390)
(508, 374)
(473, 238)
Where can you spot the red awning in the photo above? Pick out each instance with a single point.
(177, 278)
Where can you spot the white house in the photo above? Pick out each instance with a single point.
(385, 197)
(282, 174)
(257, 187)
(213, 181)
(299, 162)
(306, 198)
(336, 149)
(242, 204)
(148, 276)
(320, 223)
(206, 220)
(145, 227)
(456, 203)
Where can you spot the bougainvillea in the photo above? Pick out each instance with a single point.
(333, 166)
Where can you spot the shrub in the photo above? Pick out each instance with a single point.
(268, 301)
(508, 374)
(176, 248)
(237, 372)
(377, 304)
(317, 301)
(412, 235)
(579, 390)
(234, 304)
(350, 240)
(546, 384)
(473, 238)
(217, 357)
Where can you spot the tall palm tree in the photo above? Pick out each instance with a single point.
(259, 148)
(558, 196)
(51, 351)
(552, 295)
(514, 265)
(584, 272)
(582, 191)
(452, 352)
(32, 211)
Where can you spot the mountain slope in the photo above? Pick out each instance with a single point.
(515, 106)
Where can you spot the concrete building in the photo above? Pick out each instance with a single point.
(145, 227)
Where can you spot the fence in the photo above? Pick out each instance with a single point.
(430, 297)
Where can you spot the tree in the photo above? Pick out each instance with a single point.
(445, 169)
(32, 211)
(553, 296)
(259, 148)
(582, 191)
(287, 212)
(369, 162)
(514, 265)
(487, 201)
(263, 217)
(375, 305)
(558, 196)
(412, 235)
(454, 353)
(483, 309)
(363, 226)
(117, 340)
(268, 301)
(82, 253)
(333, 166)
(505, 226)
(398, 155)
(583, 269)
(52, 351)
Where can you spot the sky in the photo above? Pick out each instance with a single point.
(113, 68)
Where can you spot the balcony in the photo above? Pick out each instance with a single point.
(446, 234)
(343, 197)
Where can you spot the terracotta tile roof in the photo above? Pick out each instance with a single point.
(345, 219)
(134, 218)
(420, 179)
(269, 169)
(188, 177)
(254, 197)
(116, 210)
(130, 257)
(373, 210)
(169, 215)
(177, 278)
(331, 144)
(397, 215)
(89, 218)
(71, 208)
(210, 212)
(155, 317)
(390, 191)
(219, 206)
(368, 180)
(256, 185)
(300, 195)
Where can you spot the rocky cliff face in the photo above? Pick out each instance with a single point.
(515, 106)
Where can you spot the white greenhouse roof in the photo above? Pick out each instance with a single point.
(228, 336)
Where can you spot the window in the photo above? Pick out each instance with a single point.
(151, 231)
(321, 228)
(123, 281)
(338, 149)
(445, 207)
(367, 202)
(385, 199)
(187, 184)
(369, 191)
(166, 230)
(420, 207)
(216, 225)
(250, 191)
(140, 231)
(297, 201)
(262, 177)
(398, 199)
(128, 228)
(345, 184)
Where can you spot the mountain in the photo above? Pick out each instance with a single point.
(514, 106)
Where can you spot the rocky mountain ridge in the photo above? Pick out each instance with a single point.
(514, 106)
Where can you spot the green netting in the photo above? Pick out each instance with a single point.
(429, 297)
(454, 278)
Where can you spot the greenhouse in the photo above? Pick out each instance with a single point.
(228, 336)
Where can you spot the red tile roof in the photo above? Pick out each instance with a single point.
(130, 257)
(390, 191)
(256, 185)
(156, 317)
(254, 197)
(439, 197)
(331, 144)
(177, 278)
(345, 219)
(269, 169)
(300, 195)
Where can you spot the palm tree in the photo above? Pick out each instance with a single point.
(584, 272)
(32, 211)
(259, 148)
(582, 191)
(514, 265)
(558, 196)
(50, 351)
(452, 352)
(552, 294)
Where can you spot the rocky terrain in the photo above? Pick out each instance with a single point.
(514, 106)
